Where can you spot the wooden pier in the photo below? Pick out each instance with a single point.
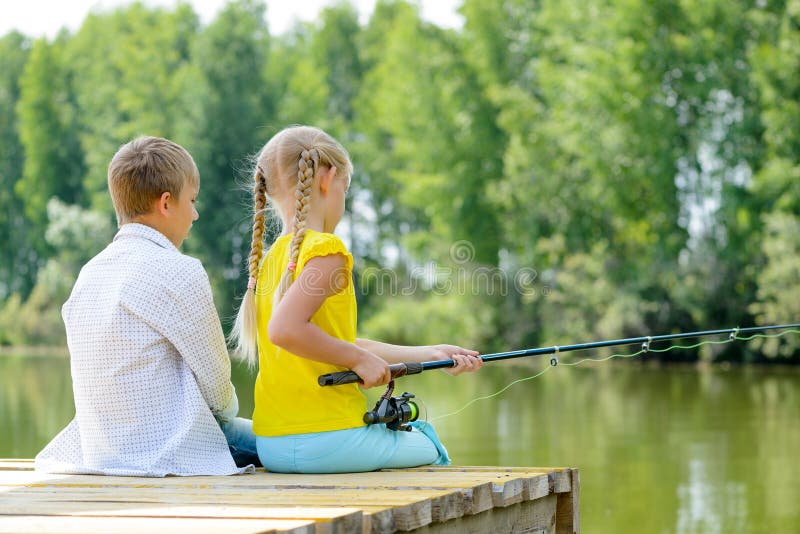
(421, 500)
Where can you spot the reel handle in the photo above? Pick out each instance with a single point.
(349, 377)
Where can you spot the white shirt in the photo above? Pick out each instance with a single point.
(150, 369)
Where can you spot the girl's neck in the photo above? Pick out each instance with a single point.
(312, 223)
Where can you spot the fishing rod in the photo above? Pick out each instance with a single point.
(412, 368)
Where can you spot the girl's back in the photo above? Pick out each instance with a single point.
(287, 397)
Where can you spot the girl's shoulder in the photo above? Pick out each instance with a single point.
(317, 244)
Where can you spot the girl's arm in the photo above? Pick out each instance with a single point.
(466, 359)
(290, 326)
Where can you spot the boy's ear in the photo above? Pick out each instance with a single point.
(326, 179)
(162, 204)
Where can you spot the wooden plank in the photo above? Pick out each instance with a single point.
(560, 477)
(284, 497)
(531, 517)
(483, 468)
(408, 478)
(409, 509)
(448, 507)
(518, 483)
(568, 520)
(559, 480)
(478, 498)
(508, 493)
(378, 522)
(412, 516)
(389, 500)
(477, 491)
(536, 487)
(137, 525)
(334, 519)
(22, 465)
(343, 518)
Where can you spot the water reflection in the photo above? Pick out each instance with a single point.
(660, 450)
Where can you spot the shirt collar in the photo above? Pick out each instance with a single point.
(145, 232)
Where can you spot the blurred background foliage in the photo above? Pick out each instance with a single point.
(639, 160)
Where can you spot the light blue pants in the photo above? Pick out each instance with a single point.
(353, 450)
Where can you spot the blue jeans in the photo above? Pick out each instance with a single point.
(352, 450)
(241, 441)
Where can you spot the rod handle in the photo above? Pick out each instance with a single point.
(338, 378)
(349, 377)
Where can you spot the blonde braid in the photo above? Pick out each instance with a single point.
(245, 330)
(306, 169)
(259, 218)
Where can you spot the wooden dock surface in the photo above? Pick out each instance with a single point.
(423, 500)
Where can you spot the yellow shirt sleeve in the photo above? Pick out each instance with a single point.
(318, 244)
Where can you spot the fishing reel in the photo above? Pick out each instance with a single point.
(394, 411)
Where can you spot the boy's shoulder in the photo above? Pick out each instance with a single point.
(139, 248)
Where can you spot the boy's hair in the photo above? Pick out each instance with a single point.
(285, 168)
(142, 170)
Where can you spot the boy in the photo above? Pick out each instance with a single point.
(150, 369)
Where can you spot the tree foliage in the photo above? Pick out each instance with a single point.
(18, 261)
(569, 170)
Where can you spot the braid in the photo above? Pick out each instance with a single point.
(306, 169)
(259, 217)
(244, 332)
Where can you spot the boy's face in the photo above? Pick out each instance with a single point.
(182, 214)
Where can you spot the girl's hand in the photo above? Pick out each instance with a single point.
(372, 370)
(466, 360)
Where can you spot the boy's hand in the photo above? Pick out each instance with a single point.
(372, 370)
(466, 360)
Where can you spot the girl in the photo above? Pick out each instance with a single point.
(298, 318)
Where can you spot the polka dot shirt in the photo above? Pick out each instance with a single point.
(150, 369)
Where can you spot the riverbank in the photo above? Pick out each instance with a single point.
(34, 351)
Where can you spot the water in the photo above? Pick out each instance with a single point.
(660, 450)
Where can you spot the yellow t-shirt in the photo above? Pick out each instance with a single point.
(288, 399)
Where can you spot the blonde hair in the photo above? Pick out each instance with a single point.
(142, 170)
(285, 169)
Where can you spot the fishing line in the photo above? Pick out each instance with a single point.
(644, 350)
(473, 401)
(424, 419)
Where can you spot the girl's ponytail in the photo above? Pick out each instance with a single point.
(244, 332)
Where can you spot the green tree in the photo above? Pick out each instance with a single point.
(47, 129)
(129, 69)
(625, 120)
(235, 114)
(431, 152)
(776, 184)
(76, 235)
(333, 56)
(432, 146)
(18, 264)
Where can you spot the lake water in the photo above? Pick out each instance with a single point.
(660, 450)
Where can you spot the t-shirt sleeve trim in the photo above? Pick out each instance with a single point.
(325, 245)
